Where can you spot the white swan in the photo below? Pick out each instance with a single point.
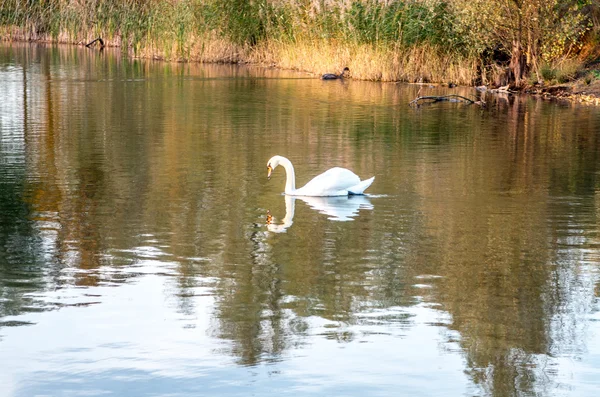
(333, 182)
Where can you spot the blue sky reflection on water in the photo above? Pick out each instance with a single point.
(130, 339)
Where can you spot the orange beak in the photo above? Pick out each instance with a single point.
(269, 170)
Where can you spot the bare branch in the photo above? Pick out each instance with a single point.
(445, 98)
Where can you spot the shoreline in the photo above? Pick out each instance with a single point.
(575, 91)
(572, 92)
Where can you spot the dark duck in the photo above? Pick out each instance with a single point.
(333, 76)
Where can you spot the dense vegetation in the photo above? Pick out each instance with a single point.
(464, 41)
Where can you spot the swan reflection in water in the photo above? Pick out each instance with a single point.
(340, 208)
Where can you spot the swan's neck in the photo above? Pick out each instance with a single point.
(290, 180)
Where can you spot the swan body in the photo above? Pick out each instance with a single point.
(333, 182)
(333, 76)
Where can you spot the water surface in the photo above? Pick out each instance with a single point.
(136, 258)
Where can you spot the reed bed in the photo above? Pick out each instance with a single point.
(425, 63)
(409, 40)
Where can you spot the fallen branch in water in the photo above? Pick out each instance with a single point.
(445, 98)
(99, 40)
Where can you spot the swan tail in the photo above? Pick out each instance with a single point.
(361, 187)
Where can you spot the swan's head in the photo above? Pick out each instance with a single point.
(272, 164)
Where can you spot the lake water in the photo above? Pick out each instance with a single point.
(136, 258)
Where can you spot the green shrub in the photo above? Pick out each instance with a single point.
(547, 72)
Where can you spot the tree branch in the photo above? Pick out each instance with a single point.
(445, 98)
(99, 40)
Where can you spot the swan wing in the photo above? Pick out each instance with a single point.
(333, 182)
(359, 188)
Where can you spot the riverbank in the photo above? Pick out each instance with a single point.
(314, 59)
(579, 90)
(412, 41)
(433, 41)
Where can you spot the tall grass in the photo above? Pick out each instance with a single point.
(408, 40)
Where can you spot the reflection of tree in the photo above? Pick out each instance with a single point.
(504, 282)
(21, 271)
(252, 314)
(57, 197)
